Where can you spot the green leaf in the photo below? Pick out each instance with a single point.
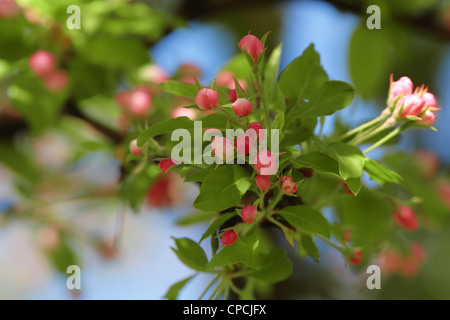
(332, 96)
(271, 73)
(18, 161)
(167, 126)
(191, 254)
(295, 78)
(240, 251)
(197, 176)
(216, 224)
(273, 267)
(63, 256)
(179, 88)
(319, 162)
(174, 290)
(370, 224)
(194, 218)
(135, 187)
(369, 55)
(223, 188)
(381, 174)
(307, 247)
(101, 109)
(306, 219)
(350, 158)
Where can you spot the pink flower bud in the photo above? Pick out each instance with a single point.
(248, 214)
(139, 101)
(183, 112)
(265, 162)
(56, 81)
(122, 98)
(164, 165)
(400, 88)
(154, 73)
(356, 258)
(428, 118)
(42, 63)
(412, 105)
(189, 70)
(242, 107)
(8, 9)
(207, 99)
(251, 45)
(258, 128)
(223, 148)
(134, 147)
(347, 235)
(229, 237)
(225, 79)
(232, 95)
(263, 182)
(428, 163)
(405, 218)
(244, 143)
(430, 100)
(288, 186)
(166, 191)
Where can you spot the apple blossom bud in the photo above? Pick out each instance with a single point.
(242, 107)
(412, 105)
(207, 99)
(258, 128)
(428, 118)
(263, 182)
(356, 258)
(223, 148)
(225, 79)
(42, 63)
(347, 235)
(153, 73)
(244, 143)
(139, 101)
(400, 88)
(248, 214)
(166, 191)
(229, 237)
(232, 95)
(252, 45)
(428, 163)
(134, 147)
(405, 218)
(288, 186)
(56, 81)
(122, 98)
(443, 191)
(8, 9)
(265, 162)
(183, 112)
(430, 100)
(164, 165)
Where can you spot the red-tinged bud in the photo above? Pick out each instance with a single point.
(265, 162)
(399, 89)
(307, 172)
(56, 81)
(405, 218)
(232, 95)
(122, 98)
(166, 191)
(242, 107)
(183, 112)
(139, 102)
(223, 148)
(288, 186)
(244, 143)
(42, 63)
(347, 235)
(225, 79)
(412, 105)
(153, 73)
(229, 237)
(258, 128)
(134, 147)
(430, 100)
(263, 182)
(391, 261)
(356, 258)
(249, 213)
(164, 165)
(428, 118)
(252, 45)
(8, 9)
(207, 99)
(428, 163)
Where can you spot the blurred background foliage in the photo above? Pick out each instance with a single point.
(63, 154)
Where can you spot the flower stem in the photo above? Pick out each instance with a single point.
(365, 125)
(383, 140)
(263, 100)
(208, 286)
(274, 201)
